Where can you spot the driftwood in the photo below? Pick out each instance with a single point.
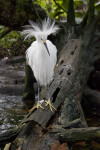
(61, 133)
(78, 134)
(10, 135)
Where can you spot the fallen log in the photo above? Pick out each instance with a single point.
(10, 135)
(70, 135)
(77, 134)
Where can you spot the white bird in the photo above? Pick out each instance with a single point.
(42, 54)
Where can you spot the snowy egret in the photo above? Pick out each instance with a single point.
(41, 55)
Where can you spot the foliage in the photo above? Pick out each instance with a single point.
(12, 44)
(58, 8)
(53, 10)
(97, 7)
(9, 39)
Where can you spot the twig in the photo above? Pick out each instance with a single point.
(59, 6)
(36, 11)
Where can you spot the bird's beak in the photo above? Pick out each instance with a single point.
(46, 46)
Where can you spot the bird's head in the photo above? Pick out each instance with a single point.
(40, 30)
(42, 39)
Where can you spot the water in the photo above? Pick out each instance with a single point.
(12, 108)
(12, 111)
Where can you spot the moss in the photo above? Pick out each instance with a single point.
(28, 86)
(29, 95)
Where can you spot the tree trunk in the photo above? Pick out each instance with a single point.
(71, 14)
(28, 93)
(91, 11)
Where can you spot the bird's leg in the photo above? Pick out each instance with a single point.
(39, 103)
(48, 102)
(38, 91)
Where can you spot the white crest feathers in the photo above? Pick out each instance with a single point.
(47, 27)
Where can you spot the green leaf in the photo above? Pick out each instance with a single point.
(65, 4)
(78, 14)
(78, 2)
(97, 6)
(81, 1)
(57, 14)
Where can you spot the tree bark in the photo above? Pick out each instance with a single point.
(91, 11)
(10, 135)
(28, 93)
(61, 133)
(71, 14)
(78, 134)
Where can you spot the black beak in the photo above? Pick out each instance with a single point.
(46, 47)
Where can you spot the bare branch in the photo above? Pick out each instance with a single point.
(59, 6)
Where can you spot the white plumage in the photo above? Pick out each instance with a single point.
(41, 63)
(42, 54)
(37, 56)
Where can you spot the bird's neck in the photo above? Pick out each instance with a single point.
(38, 39)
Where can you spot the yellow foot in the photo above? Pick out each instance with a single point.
(37, 106)
(50, 105)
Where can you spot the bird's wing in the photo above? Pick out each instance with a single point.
(30, 53)
(53, 52)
